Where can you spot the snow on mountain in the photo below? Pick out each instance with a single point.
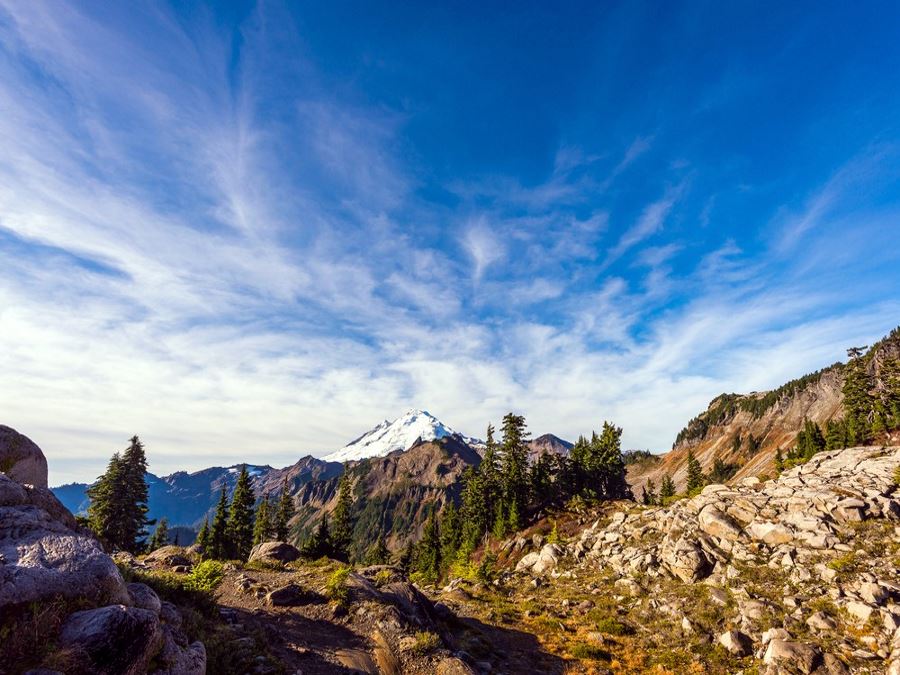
(400, 434)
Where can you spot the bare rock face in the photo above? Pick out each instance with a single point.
(21, 459)
(114, 639)
(274, 551)
(42, 554)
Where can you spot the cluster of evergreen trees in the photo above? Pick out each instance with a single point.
(333, 537)
(503, 492)
(239, 525)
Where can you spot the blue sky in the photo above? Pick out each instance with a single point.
(249, 232)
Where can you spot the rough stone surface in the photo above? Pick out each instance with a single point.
(144, 597)
(21, 459)
(168, 556)
(274, 551)
(114, 639)
(793, 656)
(44, 555)
(736, 642)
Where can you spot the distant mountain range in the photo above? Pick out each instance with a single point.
(185, 499)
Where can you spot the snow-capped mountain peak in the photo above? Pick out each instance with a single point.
(400, 434)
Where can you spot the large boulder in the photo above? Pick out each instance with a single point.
(21, 459)
(43, 555)
(686, 560)
(793, 657)
(274, 552)
(114, 640)
(168, 556)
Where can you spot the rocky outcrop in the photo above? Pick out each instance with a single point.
(44, 555)
(114, 639)
(48, 561)
(814, 547)
(21, 459)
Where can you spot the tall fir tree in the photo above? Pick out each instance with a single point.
(240, 518)
(203, 538)
(475, 515)
(118, 508)
(858, 409)
(160, 536)
(491, 483)
(342, 523)
(666, 488)
(319, 544)
(378, 553)
(515, 470)
(107, 497)
(284, 512)
(218, 535)
(451, 532)
(695, 477)
(262, 526)
(134, 515)
(428, 550)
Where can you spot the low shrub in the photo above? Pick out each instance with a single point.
(336, 586)
(426, 642)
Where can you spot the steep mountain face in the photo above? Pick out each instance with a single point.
(185, 498)
(402, 433)
(394, 494)
(548, 444)
(746, 430)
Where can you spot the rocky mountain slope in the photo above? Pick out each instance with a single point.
(747, 429)
(794, 575)
(548, 444)
(394, 494)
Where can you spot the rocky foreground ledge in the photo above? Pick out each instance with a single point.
(63, 598)
(803, 568)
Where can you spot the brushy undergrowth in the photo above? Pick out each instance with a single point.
(336, 586)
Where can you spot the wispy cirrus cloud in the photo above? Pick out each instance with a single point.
(239, 256)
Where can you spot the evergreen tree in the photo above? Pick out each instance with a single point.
(475, 514)
(515, 470)
(160, 536)
(240, 518)
(779, 461)
(218, 536)
(695, 477)
(262, 528)
(319, 544)
(540, 480)
(491, 482)
(378, 553)
(666, 488)
(858, 409)
(284, 513)
(809, 441)
(835, 435)
(342, 525)
(118, 510)
(107, 497)
(600, 465)
(451, 532)
(203, 538)
(428, 551)
(407, 558)
(134, 509)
